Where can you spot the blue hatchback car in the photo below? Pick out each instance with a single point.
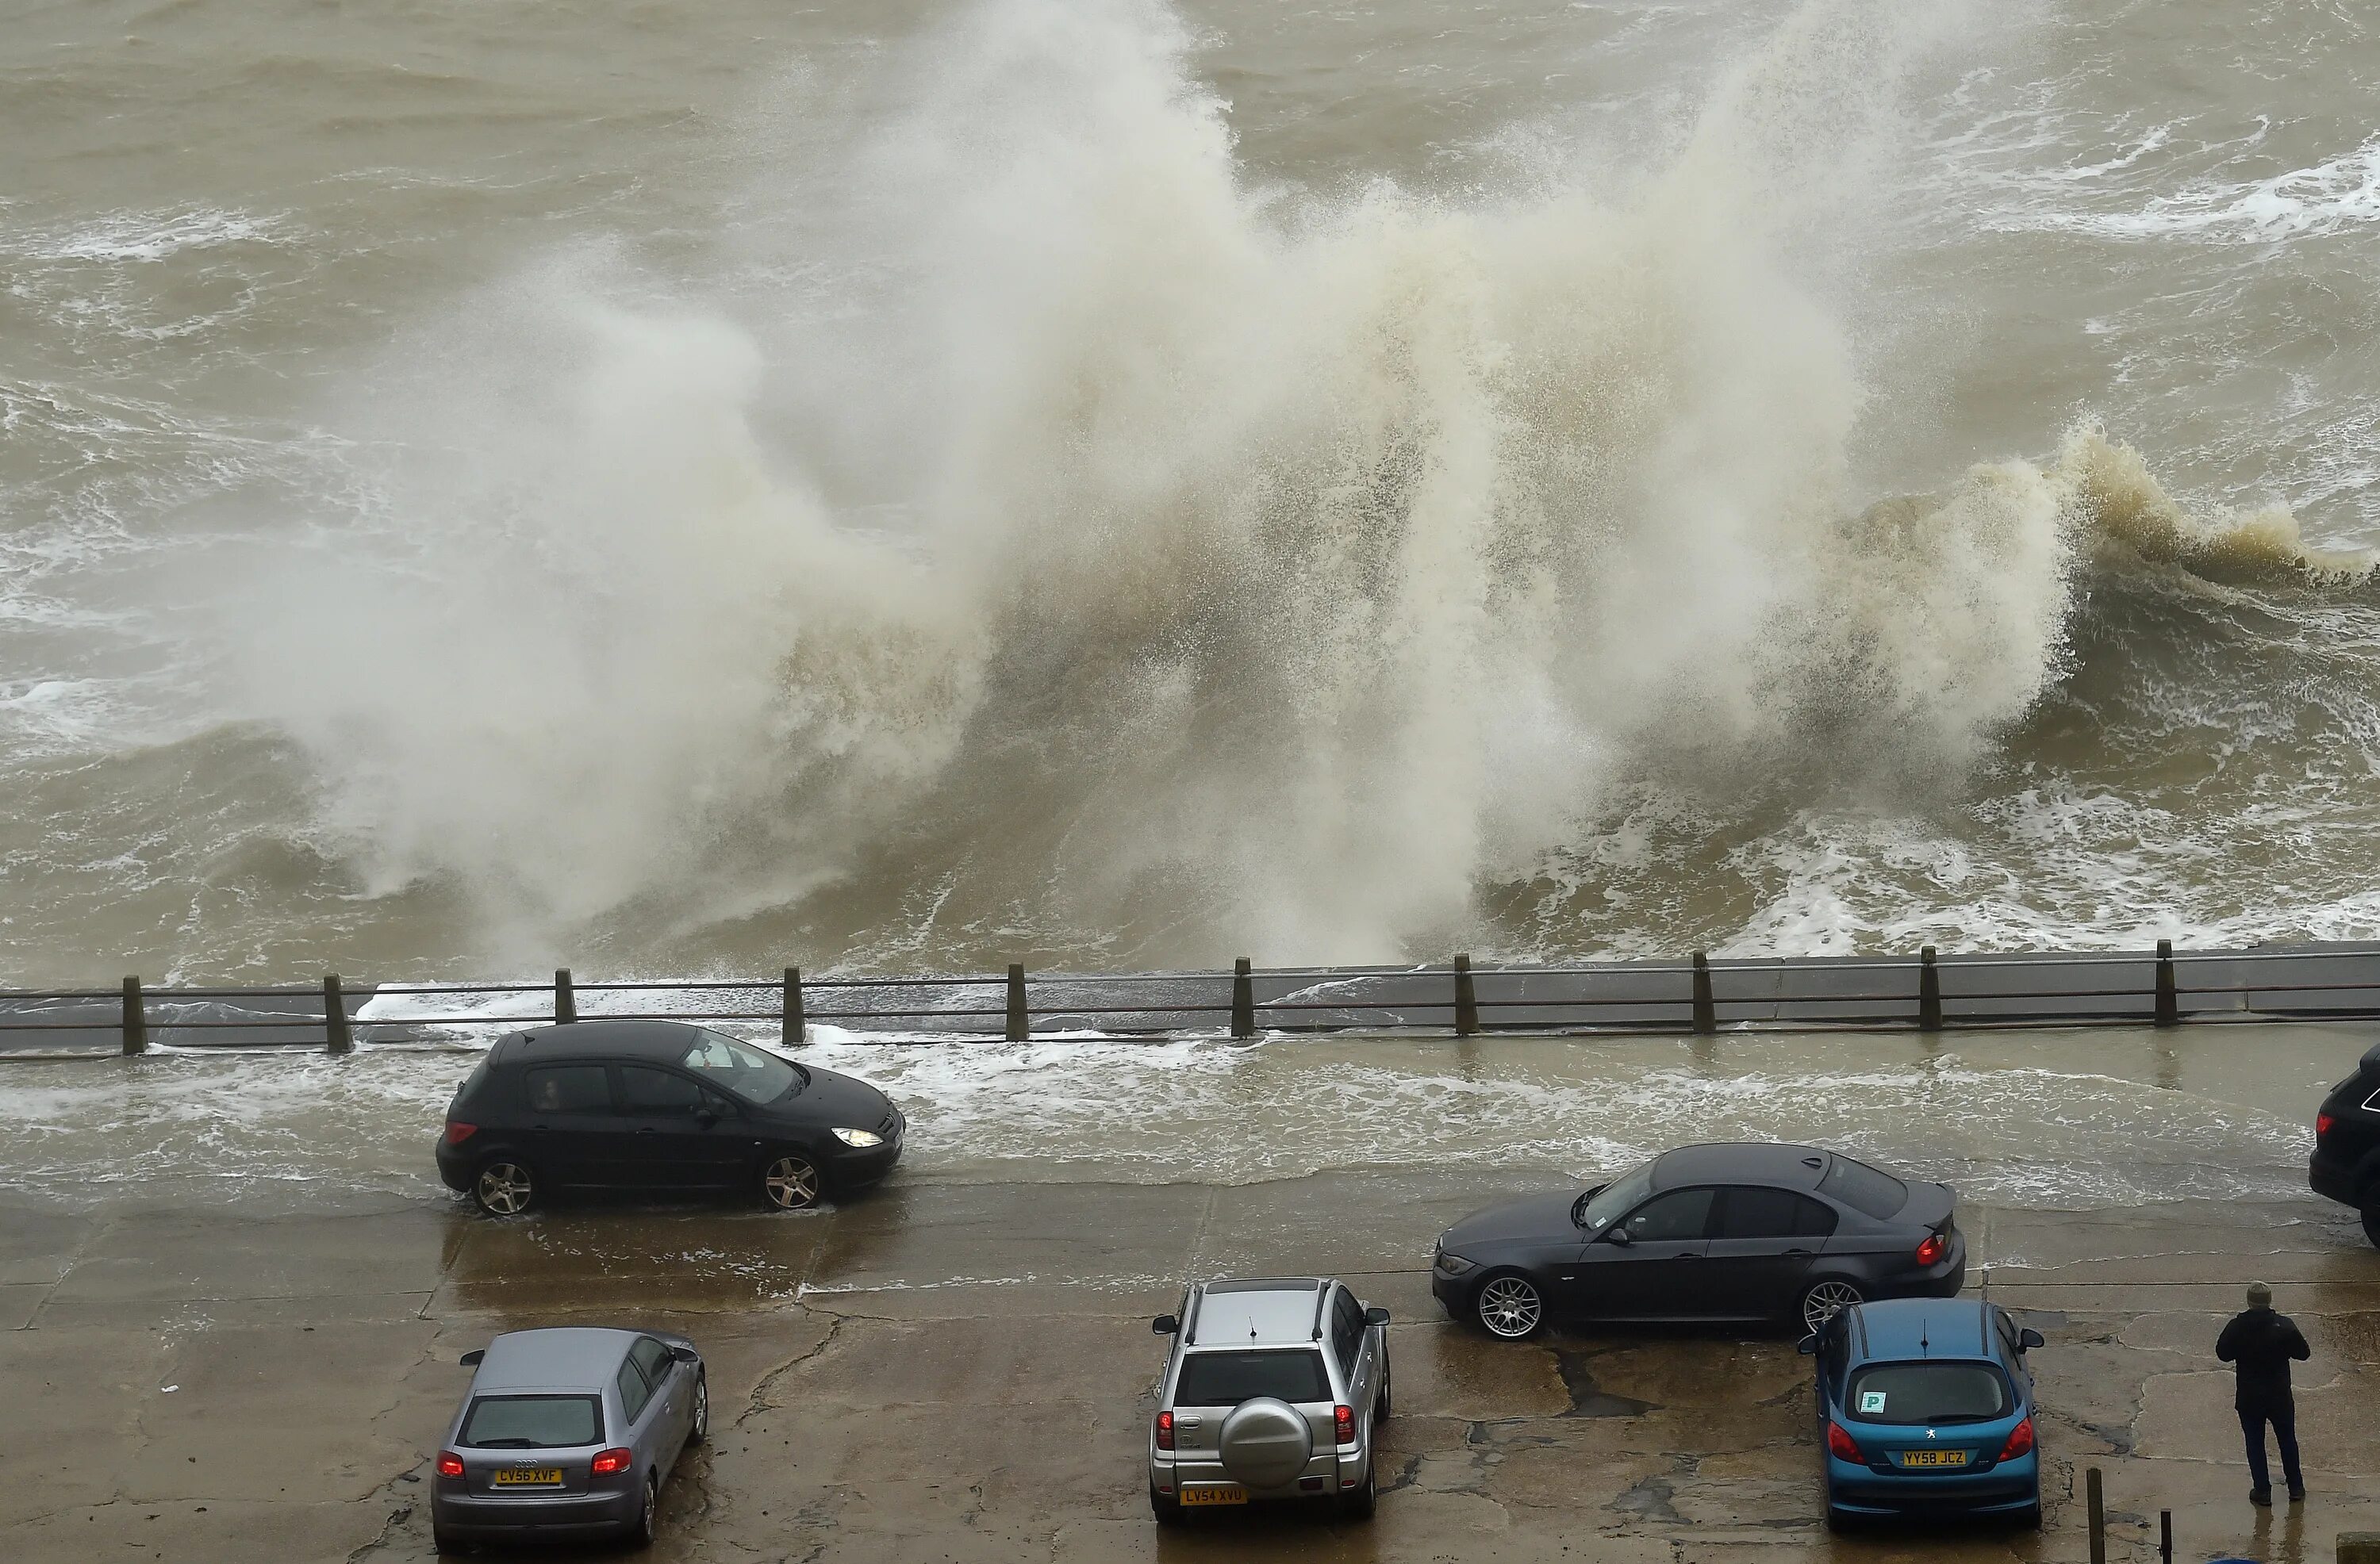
(1928, 1408)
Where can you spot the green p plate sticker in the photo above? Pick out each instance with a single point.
(1871, 1401)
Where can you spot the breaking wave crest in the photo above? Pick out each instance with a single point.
(1090, 539)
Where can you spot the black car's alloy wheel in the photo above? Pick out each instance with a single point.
(1821, 1301)
(701, 1429)
(1509, 1306)
(504, 1188)
(790, 1183)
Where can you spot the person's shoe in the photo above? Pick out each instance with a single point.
(2297, 1493)
(2262, 1497)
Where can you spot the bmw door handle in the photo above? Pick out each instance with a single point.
(1804, 1252)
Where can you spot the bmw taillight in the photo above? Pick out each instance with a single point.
(1839, 1445)
(449, 1464)
(610, 1461)
(2019, 1440)
(1344, 1420)
(1933, 1249)
(2323, 1124)
(1165, 1430)
(458, 1132)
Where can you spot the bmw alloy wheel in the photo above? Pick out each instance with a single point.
(1509, 1306)
(1824, 1300)
(504, 1189)
(790, 1183)
(701, 1429)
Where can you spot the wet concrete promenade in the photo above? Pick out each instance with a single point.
(959, 1368)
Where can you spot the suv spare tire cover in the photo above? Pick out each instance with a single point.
(1266, 1443)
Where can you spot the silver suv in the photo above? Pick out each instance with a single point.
(1272, 1391)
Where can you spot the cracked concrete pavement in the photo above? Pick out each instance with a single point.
(961, 1370)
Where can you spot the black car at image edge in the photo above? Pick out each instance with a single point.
(659, 1107)
(2346, 1162)
(1742, 1231)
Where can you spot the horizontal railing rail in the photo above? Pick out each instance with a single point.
(1699, 995)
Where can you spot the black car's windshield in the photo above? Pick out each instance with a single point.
(747, 1071)
(1614, 1200)
(1927, 1393)
(1225, 1379)
(1862, 1188)
(531, 1422)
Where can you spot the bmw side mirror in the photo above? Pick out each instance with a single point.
(2029, 1339)
(1619, 1236)
(471, 1359)
(705, 1118)
(685, 1354)
(1808, 1345)
(1165, 1324)
(1376, 1317)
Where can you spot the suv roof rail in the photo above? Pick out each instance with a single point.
(1190, 1320)
(1321, 1301)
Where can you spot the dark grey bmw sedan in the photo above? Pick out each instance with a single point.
(1738, 1232)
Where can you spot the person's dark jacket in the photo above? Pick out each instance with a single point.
(2260, 1345)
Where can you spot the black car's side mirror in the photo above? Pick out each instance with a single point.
(1618, 1236)
(1165, 1324)
(1376, 1317)
(1808, 1345)
(2029, 1339)
(705, 1118)
(471, 1359)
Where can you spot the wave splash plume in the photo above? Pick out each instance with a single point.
(1077, 535)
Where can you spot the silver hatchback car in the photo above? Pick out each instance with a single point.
(567, 1433)
(1273, 1390)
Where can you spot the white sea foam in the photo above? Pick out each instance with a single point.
(2337, 194)
(138, 237)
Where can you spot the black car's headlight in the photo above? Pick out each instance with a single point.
(1453, 1265)
(859, 1137)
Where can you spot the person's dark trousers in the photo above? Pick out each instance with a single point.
(2284, 1420)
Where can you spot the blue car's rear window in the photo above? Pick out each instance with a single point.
(1927, 1393)
(532, 1423)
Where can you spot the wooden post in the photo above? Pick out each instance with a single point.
(1705, 1007)
(2169, 999)
(2098, 1516)
(566, 998)
(1929, 992)
(1244, 999)
(1020, 1020)
(1466, 999)
(2165, 1536)
(797, 1021)
(335, 1015)
(136, 1024)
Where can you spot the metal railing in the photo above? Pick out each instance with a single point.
(1695, 996)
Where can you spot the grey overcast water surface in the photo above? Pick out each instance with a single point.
(915, 485)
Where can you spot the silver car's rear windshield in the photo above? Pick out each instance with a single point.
(1862, 1188)
(1225, 1379)
(1930, 1394)
(532, 1423)
(754, 1075)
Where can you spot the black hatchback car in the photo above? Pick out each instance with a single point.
(2346, 1162)
(1747, 1232)
(658, 1106)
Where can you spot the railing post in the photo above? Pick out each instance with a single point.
(1244, 999)
(136, 1024)
(2169, 999)
(1929, 992)
(1020, 1020)
(335, 1015)
(2165, 1536)
(797, 1021)
(2098, 1505)
(566, 998)
(1705, 1007)
(1466, 999)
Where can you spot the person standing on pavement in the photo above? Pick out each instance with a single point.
(2260, 1346)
